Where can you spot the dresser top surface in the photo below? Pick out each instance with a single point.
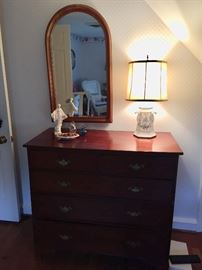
(108, 140)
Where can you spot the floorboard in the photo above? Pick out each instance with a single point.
(194, 243)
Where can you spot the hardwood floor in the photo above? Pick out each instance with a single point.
(194, 243)
(17, 252)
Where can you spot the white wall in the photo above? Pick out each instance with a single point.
(85, 66)
(24, 25)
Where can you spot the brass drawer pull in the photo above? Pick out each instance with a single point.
(134, 214)
(65, 237)
(136, 167)
(64, 184)
(133, 244)
(135, 189)
(63, 162)
(65, 209)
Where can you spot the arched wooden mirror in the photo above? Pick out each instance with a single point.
(78, 50)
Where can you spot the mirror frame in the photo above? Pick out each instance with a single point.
(90, 11)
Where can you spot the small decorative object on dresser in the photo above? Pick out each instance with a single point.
(107, 192)
(58, 116)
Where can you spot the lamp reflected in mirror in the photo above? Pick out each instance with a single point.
(147, 81)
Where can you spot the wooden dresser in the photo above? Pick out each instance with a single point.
(106, 192)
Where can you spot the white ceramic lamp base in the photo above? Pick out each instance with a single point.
(145, 124)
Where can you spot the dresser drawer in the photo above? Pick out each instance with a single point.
(88, 184)
(62, 160)
(102, 210)
(142, 165)
(100, 239)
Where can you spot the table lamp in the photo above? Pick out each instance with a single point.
(147, 81)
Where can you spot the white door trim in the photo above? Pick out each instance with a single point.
(11, 196)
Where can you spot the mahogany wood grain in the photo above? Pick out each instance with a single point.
(102, 210)
(92, 239)
(111, 141)
(105, 184)
(58, 183)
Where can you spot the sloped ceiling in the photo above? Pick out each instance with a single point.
(189, 14)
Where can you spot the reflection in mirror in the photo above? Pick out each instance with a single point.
(78, 56)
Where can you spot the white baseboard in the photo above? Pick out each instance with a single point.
(182, 223)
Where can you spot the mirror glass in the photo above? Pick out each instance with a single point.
(78, 51)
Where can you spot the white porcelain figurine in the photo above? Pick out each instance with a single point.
(58, 116)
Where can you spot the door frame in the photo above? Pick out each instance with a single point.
(15, 215)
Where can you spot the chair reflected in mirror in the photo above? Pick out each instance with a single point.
(96, 102)
(79, 102)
